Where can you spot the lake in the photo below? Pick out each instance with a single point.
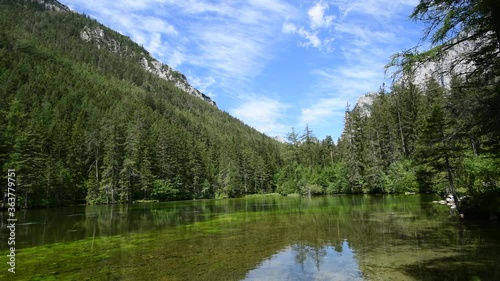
(347, 237)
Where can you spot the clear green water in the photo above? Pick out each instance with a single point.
(267, 238)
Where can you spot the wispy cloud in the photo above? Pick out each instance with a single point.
(238, 42)
(350, 81)
(380, 10)
(314, 33)
(265, 114)
(323, 108)
(311, 38)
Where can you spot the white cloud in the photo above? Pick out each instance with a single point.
(349, 82)
(310, 38)
(381, 13)
(230, 52)
(289, 28)
(264, 114)
(361, 22)
(313, 35)
(155, 24)
(230, 40)
(318, 17)
(364, 36)
(176, 58)
(322, 110)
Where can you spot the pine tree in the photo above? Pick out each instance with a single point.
(440, 144)
(352, 142)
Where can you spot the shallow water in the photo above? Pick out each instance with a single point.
(266, 238)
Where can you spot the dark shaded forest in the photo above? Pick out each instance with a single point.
(84, 124)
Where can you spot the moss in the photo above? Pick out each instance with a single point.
(213, 248)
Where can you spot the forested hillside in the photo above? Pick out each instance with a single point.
(80, 123)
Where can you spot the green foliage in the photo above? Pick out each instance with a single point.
(480, 177)
(400, 178)
(481, 173)
(165, 191)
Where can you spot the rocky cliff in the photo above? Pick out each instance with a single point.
(107, 39)
(103, 39)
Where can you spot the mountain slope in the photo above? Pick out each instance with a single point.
(107, 39)
(83, 123)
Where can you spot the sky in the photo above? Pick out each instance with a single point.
(274, 64)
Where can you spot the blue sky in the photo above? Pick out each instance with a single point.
(273, 64)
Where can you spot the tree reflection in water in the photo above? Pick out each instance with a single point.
(306, 262)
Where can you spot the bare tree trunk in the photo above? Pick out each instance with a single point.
(401, 132)
(473, 144)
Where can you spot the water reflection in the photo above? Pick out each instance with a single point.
(37, 227)
(305, 262)
(269, 238)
